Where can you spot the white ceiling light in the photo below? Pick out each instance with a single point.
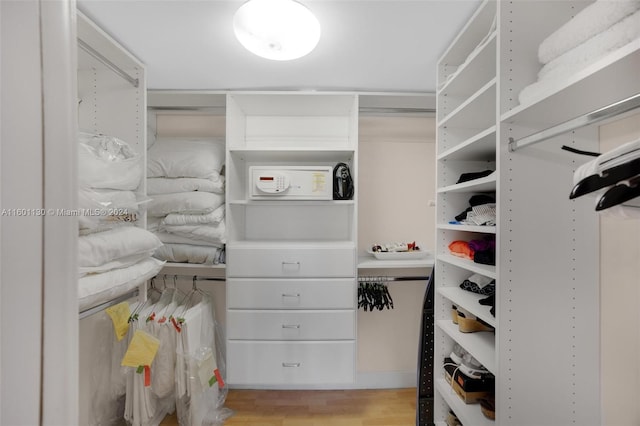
(276, 29)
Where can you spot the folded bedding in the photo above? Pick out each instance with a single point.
(168, 238)
(212, 218)
(591, 20)
(185, 157)
(214, 233)
(103, 247)
(107, 162)
(95, 289)
(162, 185)
(558, 72)
(187, 253)
(184, 202)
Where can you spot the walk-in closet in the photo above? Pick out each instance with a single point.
(416, 212)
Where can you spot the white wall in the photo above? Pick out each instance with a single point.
(620, 299)
(396, 181)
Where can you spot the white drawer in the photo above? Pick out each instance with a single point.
(303, 261)
(290, 363)
(291, 325)
(246, 293)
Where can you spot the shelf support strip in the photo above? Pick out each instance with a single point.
(113, 67)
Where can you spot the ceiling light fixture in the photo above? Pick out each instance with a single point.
(276, 29)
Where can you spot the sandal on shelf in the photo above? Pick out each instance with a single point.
(468, 323)
(454, 314)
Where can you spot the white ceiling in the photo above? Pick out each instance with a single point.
(369, 46)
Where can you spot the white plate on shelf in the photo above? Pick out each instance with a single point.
(399, 255)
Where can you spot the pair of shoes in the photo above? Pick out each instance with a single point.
(488, 407)
(452, 419)
(466, 363)
(469, 323)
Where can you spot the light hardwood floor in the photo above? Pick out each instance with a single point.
(386, 407)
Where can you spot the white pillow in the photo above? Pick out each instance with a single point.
(104, 247)
(107, 162)
(210, 233)
(172, 157)
(212, 218)
(188, 253)
(171, 185)
(123, 262)
(184, 202)
(99, 288)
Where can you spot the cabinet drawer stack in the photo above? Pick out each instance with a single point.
(291, 264)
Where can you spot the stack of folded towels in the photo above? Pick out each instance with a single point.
(114, 255)
(599, 29)
(186, 210)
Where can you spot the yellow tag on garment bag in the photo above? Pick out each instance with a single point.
(141, 351)
(120, 317)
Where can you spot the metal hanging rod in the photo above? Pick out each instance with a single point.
(389, 279)
(112, 302)
(99, 56)
(592, 117)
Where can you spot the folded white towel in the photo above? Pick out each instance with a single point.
(594, 48)
(591, 20)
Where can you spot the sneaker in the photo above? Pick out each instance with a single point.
(470, 367)
(457, 354)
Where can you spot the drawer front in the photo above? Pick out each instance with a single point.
(291, 325)
(291, 262)
(290, 363)
(291, 293)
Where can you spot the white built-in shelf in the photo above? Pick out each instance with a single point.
(477, 112)
(468, 228)
(469, 301)
(485, 184)
(297, 203)
(469, 265)
(326, 152)
(481, 146)
(468, 414)
(479, 68)
(291, 244)
(370, 262)
(479, 344)
(191, 269)
(611, 79)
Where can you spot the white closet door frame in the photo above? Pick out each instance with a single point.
(38, 284)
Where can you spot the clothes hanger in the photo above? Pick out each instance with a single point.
(620, 193)
(606, 178)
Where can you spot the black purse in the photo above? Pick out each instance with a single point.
(342, 182)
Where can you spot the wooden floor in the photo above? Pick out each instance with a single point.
(387, 407)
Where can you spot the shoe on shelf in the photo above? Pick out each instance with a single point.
(457, 353)
(469, 323)
(470, 367)
(488, 407)
(454, 314)
(452, 419)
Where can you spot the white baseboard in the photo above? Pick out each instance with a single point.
(364, 380)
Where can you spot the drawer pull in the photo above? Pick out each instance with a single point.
(290, 325)
(291, 364)
(290, 295)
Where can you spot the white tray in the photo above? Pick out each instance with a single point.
(398, 255)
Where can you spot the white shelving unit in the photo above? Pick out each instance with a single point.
(546, 342)
(466, 142)
(292, 251)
